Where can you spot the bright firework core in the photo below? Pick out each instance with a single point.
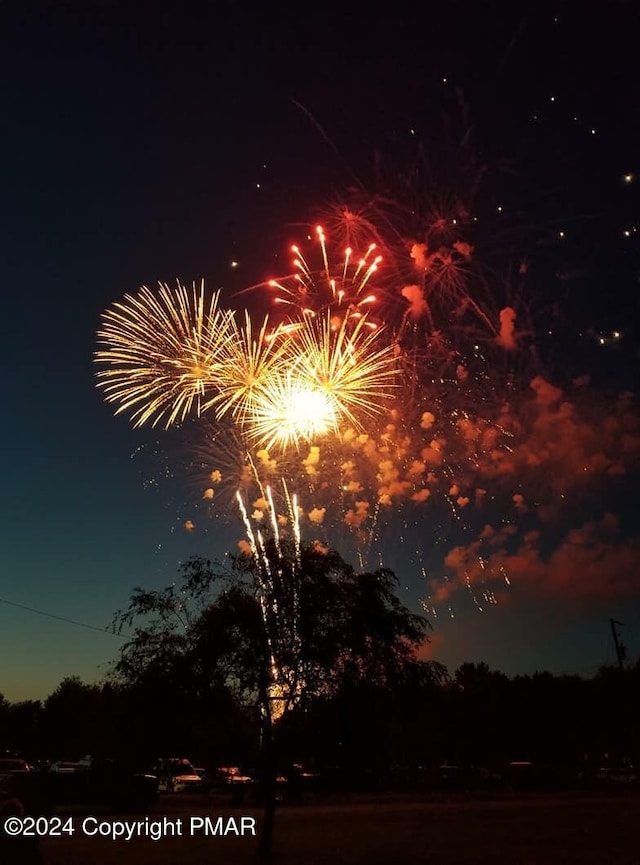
(288, 410)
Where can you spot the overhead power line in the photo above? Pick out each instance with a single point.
(60, 618)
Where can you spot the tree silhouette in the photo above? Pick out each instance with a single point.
(276, 630)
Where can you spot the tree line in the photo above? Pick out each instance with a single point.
(476, 716)
(331, 656)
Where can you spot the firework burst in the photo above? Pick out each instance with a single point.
(248, 359)
(160, 352)
(344, 288)
(355, 367)
(303, 381)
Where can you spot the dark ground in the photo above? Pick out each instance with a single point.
(588, 830)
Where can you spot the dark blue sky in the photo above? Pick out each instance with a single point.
(134, 145)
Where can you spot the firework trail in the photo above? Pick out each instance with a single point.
(282, 632)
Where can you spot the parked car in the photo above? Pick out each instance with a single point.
(231, 781)
(297, 780)
(177, 775)
(466, 779)
(120, 784)
(105, 783)
(617, 777)
(13, 764)
(65, 767)
(231, 776)
(525, 776)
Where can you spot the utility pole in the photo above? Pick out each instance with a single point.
(621, 649)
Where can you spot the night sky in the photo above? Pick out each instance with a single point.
(142, 143)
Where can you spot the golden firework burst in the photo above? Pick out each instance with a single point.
(160, 352)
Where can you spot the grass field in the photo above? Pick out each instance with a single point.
(535, 831)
